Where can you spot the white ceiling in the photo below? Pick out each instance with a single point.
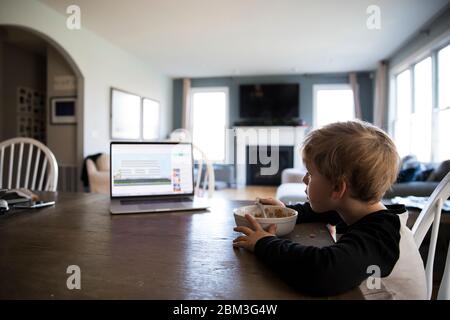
(199, 38)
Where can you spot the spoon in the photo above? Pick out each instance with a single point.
(261, 207)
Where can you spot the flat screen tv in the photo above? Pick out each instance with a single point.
(269, 101)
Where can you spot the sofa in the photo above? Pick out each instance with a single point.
(292, 189)
(98, 174)
(417, 184)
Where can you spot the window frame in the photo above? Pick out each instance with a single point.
(225, 90)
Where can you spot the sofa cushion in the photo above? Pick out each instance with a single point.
(423, 175)
(413, 188)
(291, 192)
(98, 180)
(440, 171)
(409, 161)
(408, 175)
(292, 175)
(103, 162)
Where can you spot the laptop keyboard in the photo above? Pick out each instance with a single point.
(155, 201)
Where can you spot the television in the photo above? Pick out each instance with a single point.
(277, 102)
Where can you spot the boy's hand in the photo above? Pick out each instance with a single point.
(253, 234)
(271, 201)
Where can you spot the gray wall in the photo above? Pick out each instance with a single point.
(306, 83)
(18, 67)
(431, 31)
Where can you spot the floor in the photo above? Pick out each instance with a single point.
(246, 193)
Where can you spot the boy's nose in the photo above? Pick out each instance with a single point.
(305, 179)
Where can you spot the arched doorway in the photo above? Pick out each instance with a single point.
(34, 67)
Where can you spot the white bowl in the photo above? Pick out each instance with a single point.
(285, 223)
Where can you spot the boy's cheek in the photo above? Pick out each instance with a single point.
(318, 207)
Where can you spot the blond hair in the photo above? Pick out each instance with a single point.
(356, 152)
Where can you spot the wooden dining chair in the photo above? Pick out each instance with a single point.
(431, 216)
(27, 163)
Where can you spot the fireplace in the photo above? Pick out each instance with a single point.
(286, 138)
(254, 176)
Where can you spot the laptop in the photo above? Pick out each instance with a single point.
(152, 177)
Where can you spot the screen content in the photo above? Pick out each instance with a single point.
(151, 169)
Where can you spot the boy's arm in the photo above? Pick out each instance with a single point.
(337, 268)
(306, 214)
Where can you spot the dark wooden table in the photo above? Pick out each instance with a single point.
(179, 255)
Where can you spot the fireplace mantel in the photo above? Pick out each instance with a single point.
(261, 136)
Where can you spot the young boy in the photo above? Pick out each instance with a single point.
(350, 166)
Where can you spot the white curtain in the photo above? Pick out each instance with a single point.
(380, 96)
(186, 110)
(355, 88)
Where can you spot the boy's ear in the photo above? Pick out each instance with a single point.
(339, 189)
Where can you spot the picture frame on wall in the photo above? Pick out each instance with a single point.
(125, 115)
(63, 110)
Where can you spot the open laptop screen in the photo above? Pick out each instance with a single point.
(151, 169)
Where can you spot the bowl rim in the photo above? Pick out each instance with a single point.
(269, 220)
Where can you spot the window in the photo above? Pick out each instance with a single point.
(420, 123)
(444, 77)
(443, 149)
(403, 112)
(133, 117)
(412, 124)
(332, 103)
(126, 115)
(209, 109)
(421, 117)
(443, 110)
(150, 119)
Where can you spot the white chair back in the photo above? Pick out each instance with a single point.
(208, 178)
(183, 135)
(40, 167)
(431, 215)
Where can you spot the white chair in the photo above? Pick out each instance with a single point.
(183, 135)
(208, 179)
(38, 156)
(431, 215)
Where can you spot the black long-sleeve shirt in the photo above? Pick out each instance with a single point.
(331, 270)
